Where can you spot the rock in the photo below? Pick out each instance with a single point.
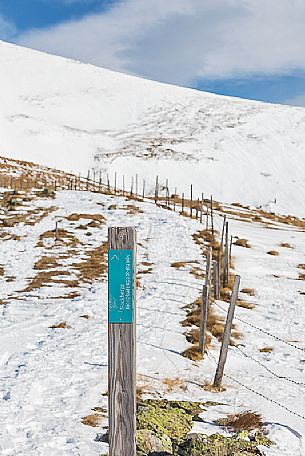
(174, 422)
(218, 445)
(149, 443)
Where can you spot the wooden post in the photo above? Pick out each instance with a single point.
(182, 203)
(201, 208)
(137, 192)
(227, 334)
(115, 182)
(143, 192)
(212, 218)
(216, 279)
(230, 251)
(56, 231)
(175, 199)
(207, 219)
(88, 177)
(123, 185)
(223, 231)
(122, 345)
(156, 189)
(226, 258)
(204, 316)
(208, 271)
(191, 207)
(167, 197)
(131, 187)
(108, 183)
(197, 209)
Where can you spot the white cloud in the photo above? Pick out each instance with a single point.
(7, 29)
(181, 41)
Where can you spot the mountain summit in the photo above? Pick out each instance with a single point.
(74, 116)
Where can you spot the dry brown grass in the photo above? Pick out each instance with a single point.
(266, 349)
(194, 353)
(46, 278)
(249, 291)
(285, 245)
(94, 266)
(173, 384)
(301, 277)
(273, 253)
(86, 317)
(245, 421)
(93, 420)
(63, 325)
(64, 238)
(93, 217)
(245, 304)
(213, 389)
(46, 263)
(301, 266)
(1, 270)
(242, 243)
(182, 264)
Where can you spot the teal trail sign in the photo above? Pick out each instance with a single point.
(120, 286)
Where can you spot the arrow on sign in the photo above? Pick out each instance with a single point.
(115, 257)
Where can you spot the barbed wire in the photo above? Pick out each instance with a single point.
(257, 393)
(263, 331)
(281, 377)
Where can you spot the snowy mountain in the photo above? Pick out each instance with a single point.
(72, 116)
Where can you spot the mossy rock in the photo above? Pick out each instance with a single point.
(218, 445)
(173, 422)
(191, 408)
(148, 443)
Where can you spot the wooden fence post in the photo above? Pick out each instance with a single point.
(182, 203)
(205, 298)
(175, 199)
(208, 271)
(122, 341)
(216, 279)
(156, 189)
(143, 192)
(226, 335)
(226, 258)
(191, 207)
(137, 192)
(123, 185)
(115, 182)
(212, 217)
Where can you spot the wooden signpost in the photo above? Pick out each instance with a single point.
(122, 341)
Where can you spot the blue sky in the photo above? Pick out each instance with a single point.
(247, 48)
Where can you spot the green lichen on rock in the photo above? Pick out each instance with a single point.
(173, 422)
(148, 442)
(218, 445)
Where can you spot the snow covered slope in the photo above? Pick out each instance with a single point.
(73, 116)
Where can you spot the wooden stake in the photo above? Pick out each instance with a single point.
(123, 185)
(227, 334)
(114, 182)
(137, 186)
(201, 208)
(208, 267)
(216, 280)
(226, 258)
(182, 203)
(212, 218)
(157, 189)
(175, 198)
(143, 192)
(122, 358)
(205, 298)
(191, 207)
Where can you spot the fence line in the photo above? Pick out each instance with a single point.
(263, 331)
(259, 394)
